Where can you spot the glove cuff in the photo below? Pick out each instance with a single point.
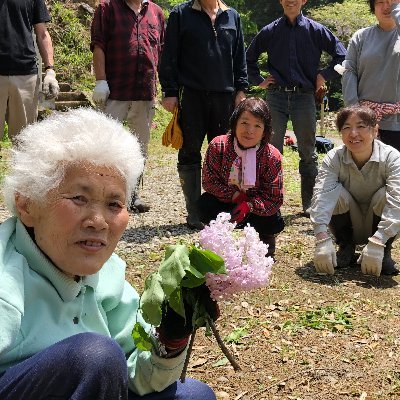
(376, 241)
(51, 72)
(323, 240)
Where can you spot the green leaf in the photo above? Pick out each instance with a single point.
(192, 281)
(176, 302)
(173, 268)
(141, 338)
(221, 362)
(206, 261)
(152, 299)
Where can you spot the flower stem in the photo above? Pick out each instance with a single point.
(189, 352)
(222, 346)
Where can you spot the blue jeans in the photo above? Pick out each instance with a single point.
(85, 366)
(300, 107)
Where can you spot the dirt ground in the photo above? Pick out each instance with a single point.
(305, 337)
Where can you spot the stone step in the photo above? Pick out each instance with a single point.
(64, 87)
(71, 96)
(65, 105)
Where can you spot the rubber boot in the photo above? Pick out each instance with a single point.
(190, 178)
(389, 266)
(307, 187)
(137, 204)
(270, 240)
(342, 229)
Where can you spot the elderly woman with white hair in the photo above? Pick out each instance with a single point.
(66, 311)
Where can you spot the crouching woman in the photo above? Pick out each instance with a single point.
(242, 173)
(66, 310)
(357, 194)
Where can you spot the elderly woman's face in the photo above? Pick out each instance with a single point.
(80, 224)
(249, 130)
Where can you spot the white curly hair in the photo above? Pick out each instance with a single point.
(44, 150)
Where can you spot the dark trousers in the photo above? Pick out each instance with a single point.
(391, 138)
(85, 366)
(202, 114)
(209, 207)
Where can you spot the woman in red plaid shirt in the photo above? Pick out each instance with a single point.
(242, 173)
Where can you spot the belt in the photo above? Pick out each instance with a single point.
(298, 89)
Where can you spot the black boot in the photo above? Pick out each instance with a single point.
(389, 266)
(307, 187)
(137, 204)
(190, 178)
(342, 229)
(270, 240)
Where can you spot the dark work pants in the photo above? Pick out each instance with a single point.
(391, 138)
(202, 114)
(85, 366)
(209, 207)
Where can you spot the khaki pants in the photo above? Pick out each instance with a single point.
(362, 222)
(139, 116)
(18, 102)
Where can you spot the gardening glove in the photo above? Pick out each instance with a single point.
(240, 197)
(241, 212)
(325, 256)
(174, 330)
(100, 93)
(371, 258)
(50, 84)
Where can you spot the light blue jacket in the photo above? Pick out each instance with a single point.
(40, 305)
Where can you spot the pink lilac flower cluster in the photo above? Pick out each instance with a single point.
(244, 255)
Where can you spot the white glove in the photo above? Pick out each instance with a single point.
(325, 256)
(371, 258)
(50, 85)
(100, 93)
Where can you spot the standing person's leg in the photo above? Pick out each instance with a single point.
(278, 105)
(4, 86)
(192, 122)
(22, 102)
(140, 117)
(83, 366)
(302, 112)
(190, 390)
(209, 207)
(391, 138)
(220, 108)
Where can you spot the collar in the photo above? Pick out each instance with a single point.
(299, 20)
(348, 159)
(67, 287)
(197, 5)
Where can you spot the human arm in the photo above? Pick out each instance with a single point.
(331, 44)
(239, 64)
(168, 68)
(350, 74)
(257, 46)
(45, 45)
(217, 163)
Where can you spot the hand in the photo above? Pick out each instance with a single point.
(50, 85)
(325, 256)
(174, 330)
(169, 103)
(238, 197)
(240, 96)
(241, 212)
(267, 82)
(100, 93)
(319, 82)
(371, 257)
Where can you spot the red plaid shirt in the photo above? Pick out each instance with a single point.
(132, 46)
(267, 194)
